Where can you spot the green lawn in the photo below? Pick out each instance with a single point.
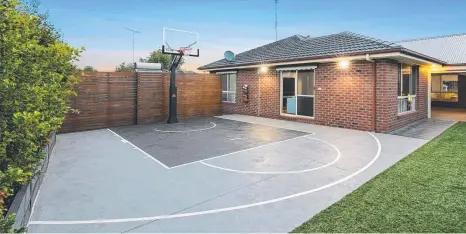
(424, 192)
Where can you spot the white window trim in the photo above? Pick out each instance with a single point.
(227, 92)
(296, 95)
(413, 107)
(228, 87)
(296, 68)
(225, 72)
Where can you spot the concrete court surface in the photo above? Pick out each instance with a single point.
(270, 175)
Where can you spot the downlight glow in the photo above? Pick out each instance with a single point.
(343, 64)
(263, 69)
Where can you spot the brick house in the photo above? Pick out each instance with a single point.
(343, 80)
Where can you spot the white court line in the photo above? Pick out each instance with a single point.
(140, 150)
(223, 155)
(213, 211)
(193, 130)
(234, 139)
(282, 172)
(266, 124)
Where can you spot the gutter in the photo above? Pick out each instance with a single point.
(456, 64)
(422, 56)
(332, 58)
(450, 68)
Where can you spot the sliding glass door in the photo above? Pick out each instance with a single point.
(288, 81)
(297, 92)
(305, 94)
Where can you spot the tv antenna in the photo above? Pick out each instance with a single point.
(134, 32)
(276, 20)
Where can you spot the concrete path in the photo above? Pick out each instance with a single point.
(99, 182)
(426, 129)
(452, 114)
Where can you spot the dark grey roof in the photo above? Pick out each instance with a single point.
(300, 47)
(450, 48)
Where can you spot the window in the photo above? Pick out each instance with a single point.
(445, 88)
(407, 87)
(297, 92)
(228, 87)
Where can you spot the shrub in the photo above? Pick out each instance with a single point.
(36, 80)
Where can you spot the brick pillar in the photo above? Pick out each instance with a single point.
(270, 94)
(387, 94)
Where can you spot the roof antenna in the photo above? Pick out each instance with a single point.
(276, 21)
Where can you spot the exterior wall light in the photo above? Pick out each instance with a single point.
(435, 68)
(343, 64)
(263, 70)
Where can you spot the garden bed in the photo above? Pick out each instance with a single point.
(24, 199)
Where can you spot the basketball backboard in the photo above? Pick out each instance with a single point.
(179, 42)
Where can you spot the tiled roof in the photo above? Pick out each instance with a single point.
(300, 47)
(451, 48)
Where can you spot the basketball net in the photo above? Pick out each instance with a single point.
(185, 50)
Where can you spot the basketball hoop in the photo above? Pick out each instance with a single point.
(184, 40)
(180, 42)
(185, 50)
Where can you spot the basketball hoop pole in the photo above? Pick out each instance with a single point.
(173, 112)
(177, 49)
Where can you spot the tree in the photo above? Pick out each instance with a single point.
(89, 69)
(125, 67)
(36, 82)
(157, 56)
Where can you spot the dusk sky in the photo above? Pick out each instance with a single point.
(239, 25)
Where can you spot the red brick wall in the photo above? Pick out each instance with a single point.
(270, 94)
(388, 118)
(249, 77)
(346, 96)
(387, 94)
(344, 99)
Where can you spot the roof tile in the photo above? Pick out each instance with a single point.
(298, 47)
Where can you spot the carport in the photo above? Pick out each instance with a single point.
(448, 95)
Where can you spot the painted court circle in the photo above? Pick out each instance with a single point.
(213, 211)
(281, 172)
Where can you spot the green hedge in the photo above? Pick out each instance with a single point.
(36, 79)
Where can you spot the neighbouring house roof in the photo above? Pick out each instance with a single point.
(299, 47)
(450, 48)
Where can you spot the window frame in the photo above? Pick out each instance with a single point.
(229, 91)
(441, 84)
(413, 79)
(296, 94)
(442, 95)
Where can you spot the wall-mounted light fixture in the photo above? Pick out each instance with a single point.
(343, 63)
(263, 70)
(435, 68)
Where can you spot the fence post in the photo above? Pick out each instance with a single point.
(136, 96)
(107, 111)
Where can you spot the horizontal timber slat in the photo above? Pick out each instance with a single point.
(110, 99)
